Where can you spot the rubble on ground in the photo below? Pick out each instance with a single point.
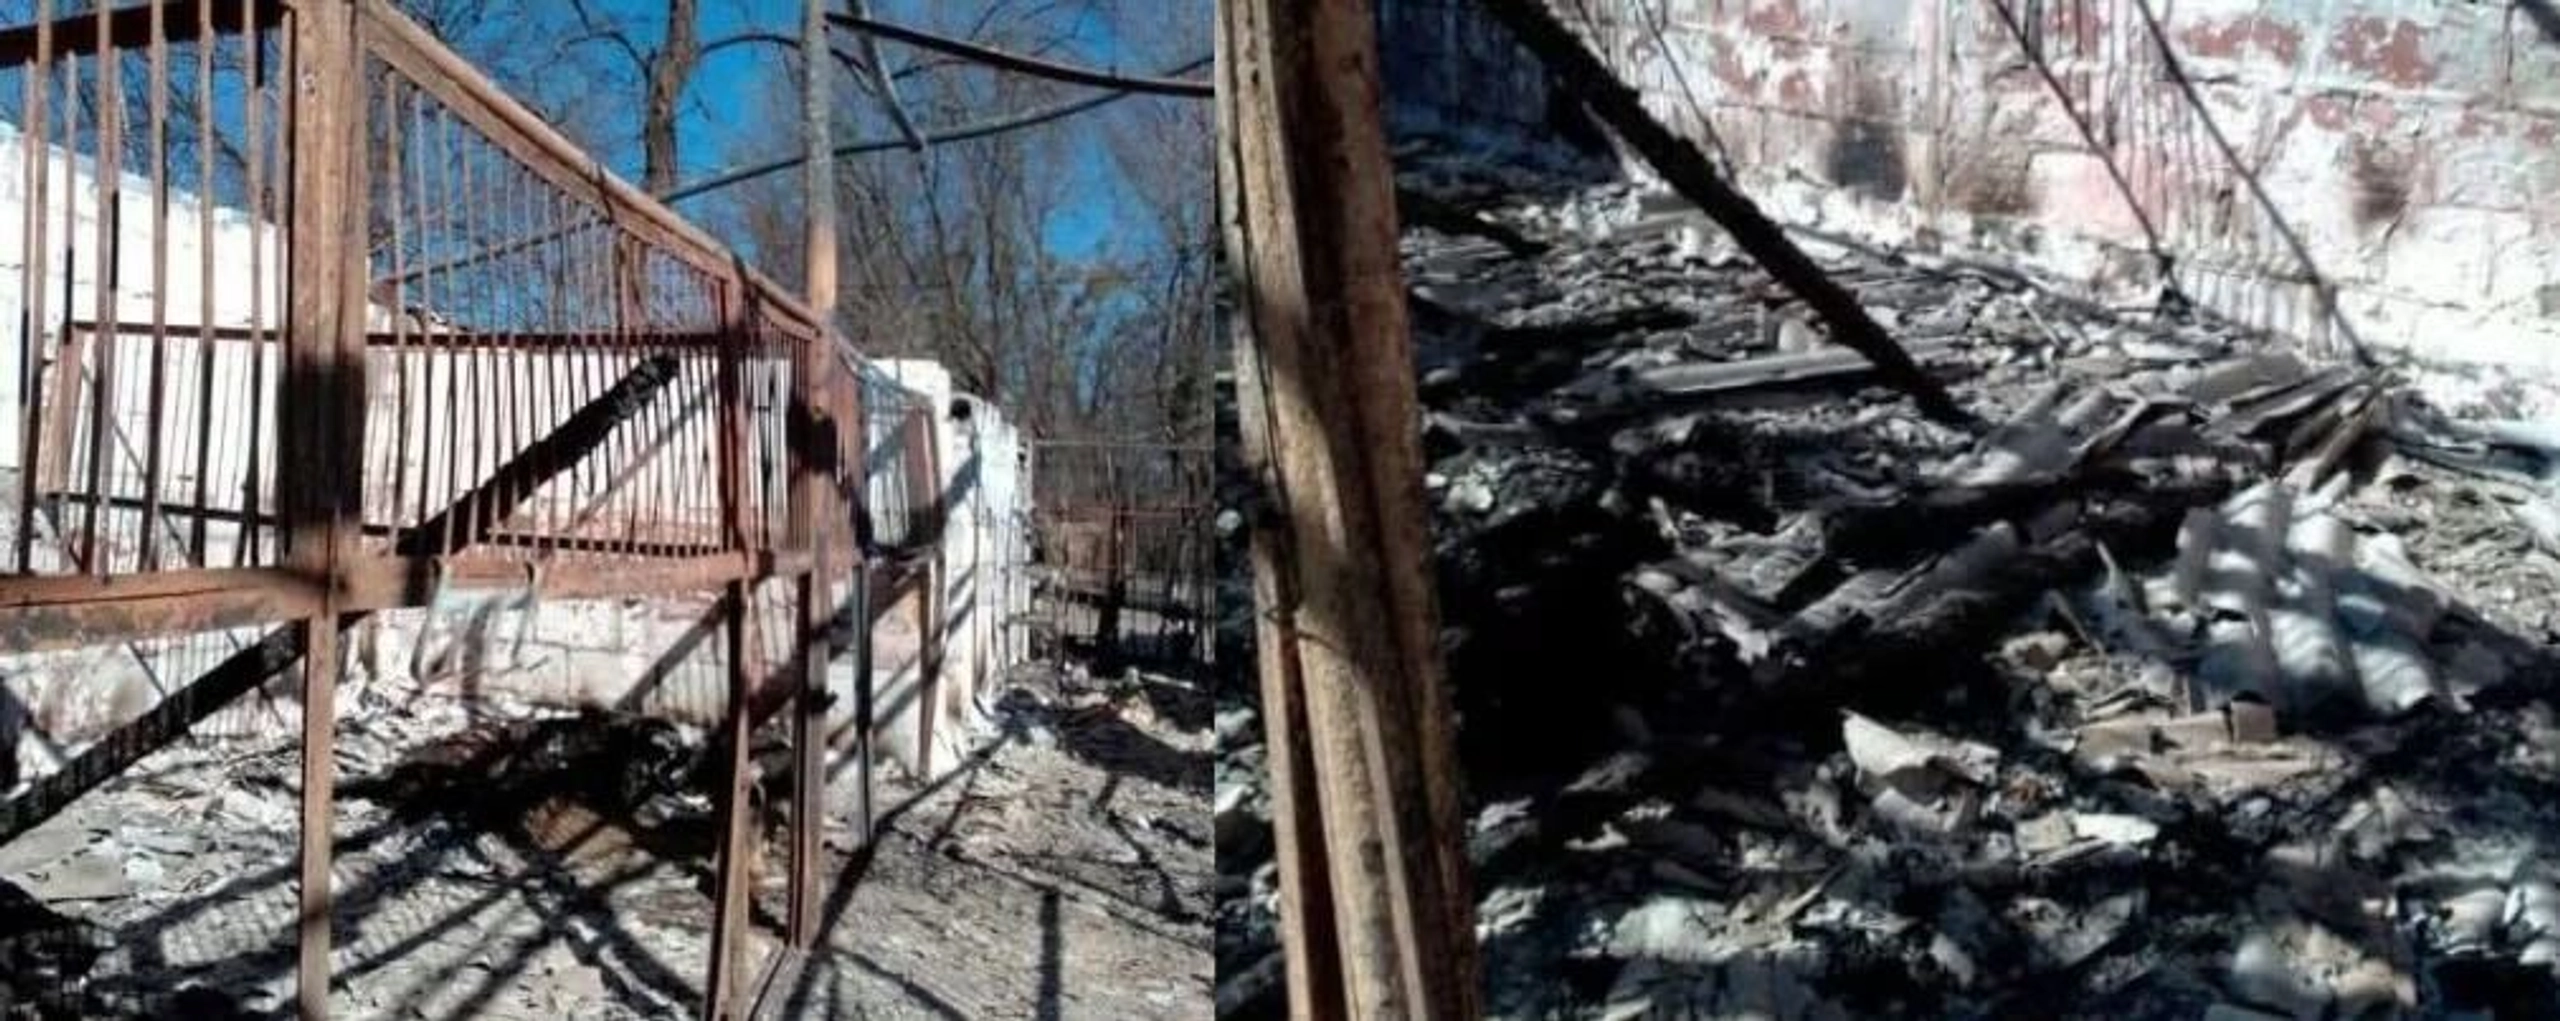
(2211, 679)
(498, 860)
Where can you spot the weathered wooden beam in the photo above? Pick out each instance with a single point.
(1422, 210)
(1377, 920)
(1687, 171)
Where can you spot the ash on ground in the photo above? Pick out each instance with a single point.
(495, 862)
(2208, 679)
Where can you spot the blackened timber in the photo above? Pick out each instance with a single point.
(1422, 210)
(1688, 172)
(496, 497)
(166, 722)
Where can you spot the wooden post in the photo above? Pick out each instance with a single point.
(322, 446)
(812, 468)
(1359, 719)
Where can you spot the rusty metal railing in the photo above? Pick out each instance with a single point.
(1122, 532)
(552, 362)
(313, 321)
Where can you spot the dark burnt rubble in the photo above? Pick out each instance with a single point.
(2210, 679)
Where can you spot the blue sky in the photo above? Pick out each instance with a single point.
(714, 135)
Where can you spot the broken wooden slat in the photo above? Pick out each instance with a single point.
(1423, 210)
(1695, 379)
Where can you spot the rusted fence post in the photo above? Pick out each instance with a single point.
(1377, 918)
(854, 441)
(735, 881)
(322, 443)
(812, 467)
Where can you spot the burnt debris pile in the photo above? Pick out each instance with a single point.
(2206, 676)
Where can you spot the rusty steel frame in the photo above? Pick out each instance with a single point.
(1114, 511)
(358, 121)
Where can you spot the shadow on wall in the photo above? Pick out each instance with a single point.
(2544, 16)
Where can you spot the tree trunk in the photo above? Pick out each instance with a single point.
(670, 70)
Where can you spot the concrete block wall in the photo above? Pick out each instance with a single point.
(2375, 170)
(980, 583)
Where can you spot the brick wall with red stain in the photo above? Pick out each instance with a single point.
(2382, 170)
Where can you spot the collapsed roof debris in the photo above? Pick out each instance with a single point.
(2213, 681)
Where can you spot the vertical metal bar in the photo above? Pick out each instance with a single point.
(466, 424)
(396, 142)
(62, 420)
(252, 508)
(149, 552)
(38, 85)
(324, 354)
(476, 350)
(439, 335)
(666, 492)
(109, 171)
(205, 205)
(689, 457)
(508, 321)
(595, 320)
(550, 270)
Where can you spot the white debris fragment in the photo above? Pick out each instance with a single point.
(2116, 829)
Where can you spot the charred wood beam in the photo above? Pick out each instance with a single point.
(1689, 172)
(1692, 379)
(166, 722)
(1422, 210)
(497, 497)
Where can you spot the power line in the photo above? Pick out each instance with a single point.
(958, 133)
(1169, 85)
